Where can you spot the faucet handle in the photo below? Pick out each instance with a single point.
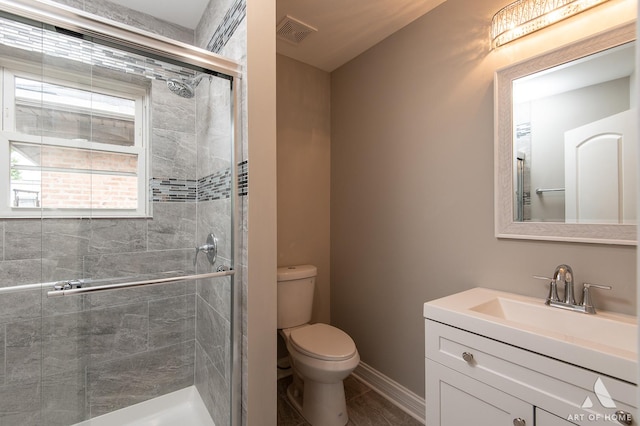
(540, 277)
(604, 287)
(586, 296)
(553, 289)
(210, 248)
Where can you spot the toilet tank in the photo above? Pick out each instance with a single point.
(295, 294)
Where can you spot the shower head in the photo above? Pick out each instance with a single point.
(184, 87)
(181, 88)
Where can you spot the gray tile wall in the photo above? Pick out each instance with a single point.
(111, 350)
(236, 49)
(106, 350)
(211, 20)
(230, 22)
(83, 57)
(214, 212)
(104, 359)
(63, 360)
(131, 17)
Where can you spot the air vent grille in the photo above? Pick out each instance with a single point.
(293, 30)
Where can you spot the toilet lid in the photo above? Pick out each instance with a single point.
(323, 341)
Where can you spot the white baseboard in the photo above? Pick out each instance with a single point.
(400, 396)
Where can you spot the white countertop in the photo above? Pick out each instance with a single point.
(605, 342)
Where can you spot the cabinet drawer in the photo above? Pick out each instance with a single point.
(553, 385)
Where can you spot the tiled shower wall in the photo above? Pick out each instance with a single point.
(232, 28)
(213, 319)
(110, 350)
(85, 356)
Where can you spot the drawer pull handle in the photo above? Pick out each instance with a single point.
(467, 356)
(624, 418)
(519, 422)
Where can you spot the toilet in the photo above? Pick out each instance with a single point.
(322, 356)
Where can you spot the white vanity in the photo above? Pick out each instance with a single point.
(495, 358)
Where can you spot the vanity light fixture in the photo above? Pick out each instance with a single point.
(523, 17)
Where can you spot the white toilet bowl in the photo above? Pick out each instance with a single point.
(322, 357)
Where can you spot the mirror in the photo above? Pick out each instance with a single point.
(566, 143)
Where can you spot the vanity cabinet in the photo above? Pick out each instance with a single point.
(475, 380)
(544, 418)
(455, 399)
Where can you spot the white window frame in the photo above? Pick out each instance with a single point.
(8, 134)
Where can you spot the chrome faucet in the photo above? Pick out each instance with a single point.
(564, 275)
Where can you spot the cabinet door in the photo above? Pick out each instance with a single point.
(453, 399)
(544, 418)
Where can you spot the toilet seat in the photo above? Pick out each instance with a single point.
(322, 341)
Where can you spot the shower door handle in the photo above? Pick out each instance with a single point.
(210, 248)
(68, 285)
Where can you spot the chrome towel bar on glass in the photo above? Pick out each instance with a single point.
(132, 284)
(541, 190)
(52, 284)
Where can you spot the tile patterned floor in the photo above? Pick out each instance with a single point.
(365, 407)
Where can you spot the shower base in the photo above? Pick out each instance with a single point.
(183, 407)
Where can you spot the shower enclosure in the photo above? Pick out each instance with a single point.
(118, 229)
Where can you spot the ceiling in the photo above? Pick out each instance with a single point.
(186, 13)
(345, 28)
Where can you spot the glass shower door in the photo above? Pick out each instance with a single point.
(117, 216)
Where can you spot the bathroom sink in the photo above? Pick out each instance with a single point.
(593, 328)
(605, 342)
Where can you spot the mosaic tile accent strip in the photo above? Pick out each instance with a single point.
(215, 187)
(227, 27)
(66, 45)
(174, 190)
(243, 178)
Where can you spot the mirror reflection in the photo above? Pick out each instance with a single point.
(575, 141)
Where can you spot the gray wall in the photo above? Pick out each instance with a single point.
(412, 213)
(304, 168)
(304, 151)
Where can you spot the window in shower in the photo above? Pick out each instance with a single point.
(73, 147)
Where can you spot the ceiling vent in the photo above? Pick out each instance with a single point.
(293, 30)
